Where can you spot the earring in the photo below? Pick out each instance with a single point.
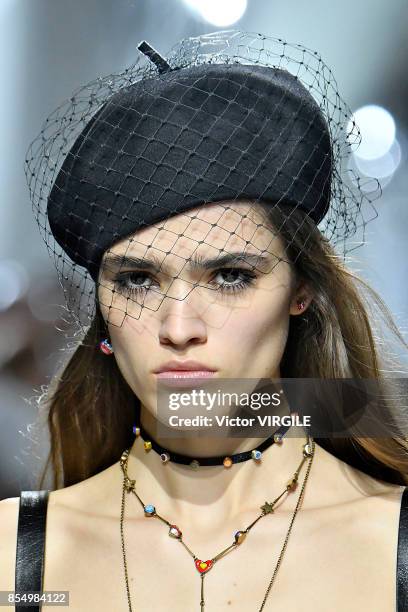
(105, 347)
(301, 304)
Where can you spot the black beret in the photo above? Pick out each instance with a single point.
(168, 143)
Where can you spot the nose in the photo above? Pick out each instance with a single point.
(181, 322)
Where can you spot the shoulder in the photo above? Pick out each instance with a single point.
(8, 516)
(65, 527)
(378, 501)
(89, 498)
(80, 514)
(390, 499)
(377, 518)
(9, 509)
(360, 508)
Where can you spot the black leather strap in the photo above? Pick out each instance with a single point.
(402, 555)
(30, 544)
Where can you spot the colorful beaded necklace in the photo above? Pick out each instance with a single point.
(202, 566)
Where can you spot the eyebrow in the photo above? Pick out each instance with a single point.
(195, 263)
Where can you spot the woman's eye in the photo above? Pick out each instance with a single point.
(235, 279)
(133, 282)
(226, 280)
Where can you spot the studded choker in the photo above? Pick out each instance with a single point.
(226, 461)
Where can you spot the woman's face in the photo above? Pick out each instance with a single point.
(175, 304)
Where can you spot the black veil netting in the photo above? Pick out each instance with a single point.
(228, 117)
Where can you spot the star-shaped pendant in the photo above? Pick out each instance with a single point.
(267, 508)
(129, 484)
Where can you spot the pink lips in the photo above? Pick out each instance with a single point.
(178, 371)
(185, 374)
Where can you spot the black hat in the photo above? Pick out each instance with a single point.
(187, 137)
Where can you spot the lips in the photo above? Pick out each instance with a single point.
(183, 373)
(184, 366)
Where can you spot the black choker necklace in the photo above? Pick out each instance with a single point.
(226, 461)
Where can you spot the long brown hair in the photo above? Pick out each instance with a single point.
(91, 409)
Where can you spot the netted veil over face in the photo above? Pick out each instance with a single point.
(166, 161)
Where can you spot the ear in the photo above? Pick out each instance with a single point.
(301, 300)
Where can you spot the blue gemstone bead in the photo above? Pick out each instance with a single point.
(149, 509)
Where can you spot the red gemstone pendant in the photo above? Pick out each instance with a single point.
(203, 566)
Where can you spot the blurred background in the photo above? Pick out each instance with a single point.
(51, 47)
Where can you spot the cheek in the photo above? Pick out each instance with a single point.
(259, 334)
(265, 323)
(132, 342)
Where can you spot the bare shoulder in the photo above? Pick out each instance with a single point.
(387, 500)
(391, 499)
(375, 518)
(82, 512)
(360, 507)
(379, 517)
(68, 511)
(375, 496)
(394, 492)
(9, 509)
(91, 496)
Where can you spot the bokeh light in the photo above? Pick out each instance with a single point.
(377, 127)
(219, 12)
(381, 167)
(379, 154)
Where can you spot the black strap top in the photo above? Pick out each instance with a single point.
(30, 543)
(31, 547)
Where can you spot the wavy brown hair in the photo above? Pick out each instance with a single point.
(90, 408)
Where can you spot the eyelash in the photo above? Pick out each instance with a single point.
(122, 282)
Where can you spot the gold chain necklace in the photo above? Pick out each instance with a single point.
(203, 567)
